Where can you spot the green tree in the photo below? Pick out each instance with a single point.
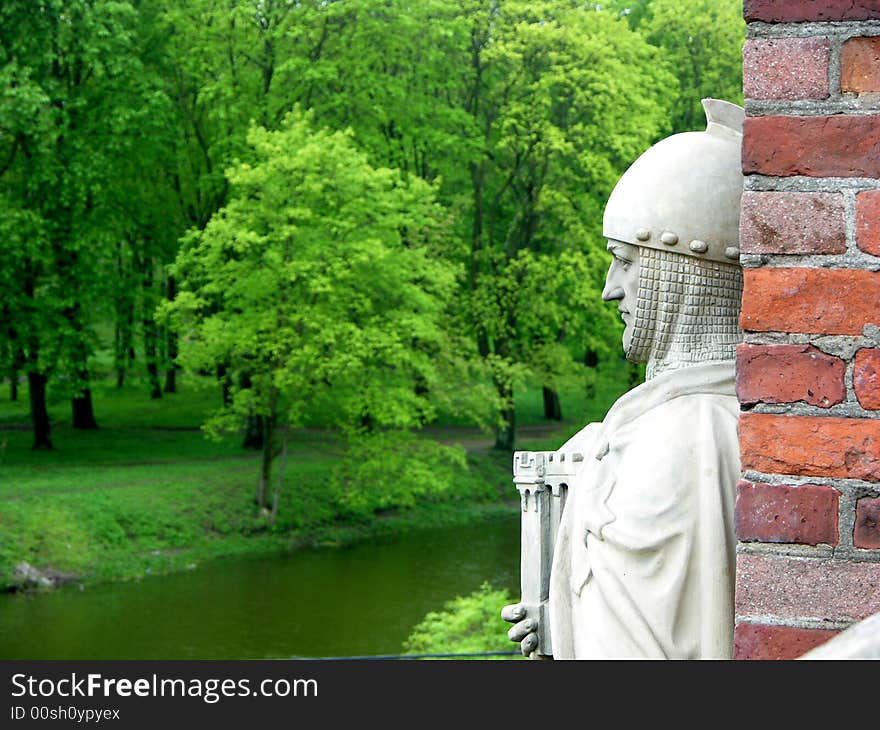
(327, 281)
(564, 98)
(701, 41)
(72, 84)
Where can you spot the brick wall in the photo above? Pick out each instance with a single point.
(808, 375)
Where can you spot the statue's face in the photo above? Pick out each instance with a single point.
(622, 284)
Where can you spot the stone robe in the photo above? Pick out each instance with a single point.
(645, 555)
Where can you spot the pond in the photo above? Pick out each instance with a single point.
(360, 600)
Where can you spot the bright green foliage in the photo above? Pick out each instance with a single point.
(391, 470)
(565, 97)
(324, 280)
(701, 41)
(120, 120)
(467, 624)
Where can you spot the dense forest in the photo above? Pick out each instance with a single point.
(352, 213)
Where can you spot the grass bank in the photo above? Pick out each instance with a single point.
(148, 493)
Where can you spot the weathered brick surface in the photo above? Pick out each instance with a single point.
(806, 588)
(866, 378)
(815, 298)
(822, 146)
(866, 532)
(811, 446)
(868, 221)
(789, 373)
(860, 65)
(821, 301)
(786, 68)
(766, 641)
(805, 514)
(797, 11)
(792, 223)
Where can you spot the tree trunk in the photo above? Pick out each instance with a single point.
(280, 476)
(124, 343)
(151, 357)
(223, 377)
(505, 431)
(171, 344)
(83, 413)
(119, 356)
(150, 330)
(253, 423)
(552, 406)
(266, 463)
(591, 360)
(253, 432)
(13, 386)
(171, 377)
(39, 414)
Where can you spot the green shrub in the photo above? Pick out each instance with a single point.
(390, 470)
(466, 624)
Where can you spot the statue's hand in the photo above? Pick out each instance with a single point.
(523, 629)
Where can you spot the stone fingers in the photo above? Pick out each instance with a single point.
(520, 631)
(513, 612)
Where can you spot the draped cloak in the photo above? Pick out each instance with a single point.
(645, 555)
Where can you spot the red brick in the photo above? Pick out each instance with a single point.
(868, 221)
(866, 378)
(822, 146)
(788, 587)
(786, 68)
(792, 223)
(797, 11)
(811, 446)
(789, 373)
(766, 641)
(820, 301)
(806, 515)
(866, 532)
(860, 65)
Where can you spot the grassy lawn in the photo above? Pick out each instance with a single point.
(149, 492)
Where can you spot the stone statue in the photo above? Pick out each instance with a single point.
(643, 551)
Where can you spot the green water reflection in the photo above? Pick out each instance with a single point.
(335, 602)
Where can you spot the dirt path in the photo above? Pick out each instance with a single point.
(475, 440)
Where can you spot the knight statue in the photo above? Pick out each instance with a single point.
(628, 535)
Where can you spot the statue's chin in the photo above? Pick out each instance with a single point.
(628, 348)
(627, 343)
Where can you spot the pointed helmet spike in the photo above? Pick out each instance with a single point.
(723, 114)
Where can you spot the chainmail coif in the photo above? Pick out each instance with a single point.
(687, 311)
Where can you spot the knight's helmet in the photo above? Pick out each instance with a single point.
(679, 203)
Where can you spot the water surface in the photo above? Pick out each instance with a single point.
(360, 600)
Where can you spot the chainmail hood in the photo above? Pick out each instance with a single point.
(687, 311)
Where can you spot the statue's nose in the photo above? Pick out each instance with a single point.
(612, 291)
